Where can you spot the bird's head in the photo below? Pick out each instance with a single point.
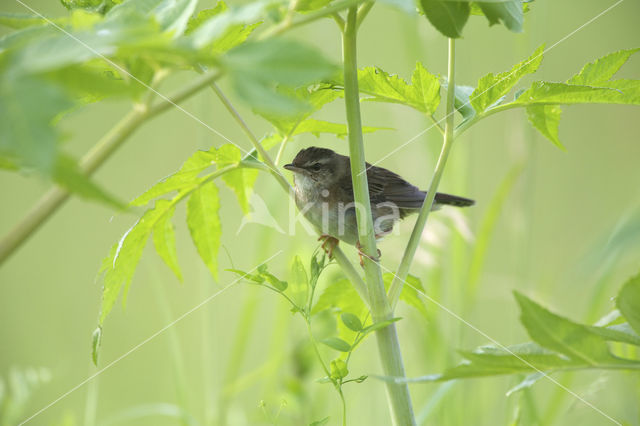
(318, 164)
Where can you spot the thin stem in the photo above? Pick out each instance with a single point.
(310, 17)
(388, 345)
(414, 240)
(363, 11)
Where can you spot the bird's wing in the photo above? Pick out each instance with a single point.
(386, 186)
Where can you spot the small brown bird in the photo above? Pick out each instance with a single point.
(324, 195)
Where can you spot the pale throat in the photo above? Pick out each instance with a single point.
(306, 188)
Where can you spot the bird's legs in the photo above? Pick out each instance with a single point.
(328, 244)
(361, 254)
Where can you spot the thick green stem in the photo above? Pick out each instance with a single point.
(416, 234)
(388, 345)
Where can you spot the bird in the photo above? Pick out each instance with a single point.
(324, 195)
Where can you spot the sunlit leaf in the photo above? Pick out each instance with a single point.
(597, 73)
(379, 325)
(615, 92)
(186, 177)
(20, 20)
(204, 224)
(340, 294)
(491, 88)
(164, 238)
(316, 127)
(173, 15)
(562, 335)
(546, 119)
(628, 302)
(409, 293)
(118, 268)
(423, 94)
(618, 333)
(240, 180)
(449, 17)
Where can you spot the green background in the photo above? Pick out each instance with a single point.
(547, 242)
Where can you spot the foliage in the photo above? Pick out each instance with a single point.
(109, 49)
(559, 344)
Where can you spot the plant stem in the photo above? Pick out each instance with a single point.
(388, 345)
(416, 234)
(93, 159)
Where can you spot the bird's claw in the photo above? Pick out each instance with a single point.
(329, 243)
(362, 254)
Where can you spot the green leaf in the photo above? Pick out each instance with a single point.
(449, 17)
(252, 277)
(240, 180)
(96, 341)
(628, 302)
(298, 283)
(409, 293)
(616, 92)
(597, 73)
(546, 119)
(379, 325)
(118, 268)
(27, 108)
(20, 20)
(492, 88)
(204, 15)
(351, 321)
(68, 175)
(423, 94)
(337, 344)
(339, 369)
(316, 127)
(510, 12)
(462, 103)
(340, 294)
(562, 335)
(255, 69)
(274, 281)
(320, 422)
(527, 382)
(164, 238)
(173, 15)
(618, 333)
(204, 224)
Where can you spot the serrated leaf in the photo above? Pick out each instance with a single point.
(173, 15)
(351, 321)
(423, 94)
(298, 283)
(448, 17)
(491, 88)
(338, 369)
(603, 69)
(204, 15)
(628, 302)
(546, 118)
(510, 12)
(119, 267)
(204, 224)
(164, 239)
(186, 177)
(616, 92)
(316, 127)
(240, 180)
(337, 344)
(562, 335)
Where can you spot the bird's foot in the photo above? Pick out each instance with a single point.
(329, 243)
(362, 254)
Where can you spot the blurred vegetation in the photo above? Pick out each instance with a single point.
(560, 227)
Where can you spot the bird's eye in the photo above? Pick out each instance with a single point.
(315, 167)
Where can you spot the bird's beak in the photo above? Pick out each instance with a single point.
(292, 168)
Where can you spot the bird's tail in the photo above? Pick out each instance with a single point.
(453, 200)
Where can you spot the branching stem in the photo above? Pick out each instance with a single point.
(416, 234)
